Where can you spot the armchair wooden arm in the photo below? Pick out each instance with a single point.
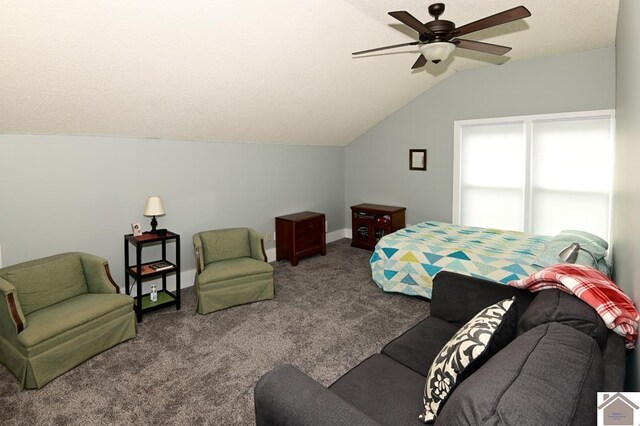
(198, 265)
(97, 274)
(264, 253)
(13, 311)
(110, 278)
(12, 305)
(257, 245)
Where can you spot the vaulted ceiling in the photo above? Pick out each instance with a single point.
(277, 71)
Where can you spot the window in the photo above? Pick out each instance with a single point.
(538, 174)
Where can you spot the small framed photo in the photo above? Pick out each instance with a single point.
(418, 159)
(137, 231)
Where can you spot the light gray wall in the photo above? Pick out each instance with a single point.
(626, 227)
(68, 193)
(377, 169)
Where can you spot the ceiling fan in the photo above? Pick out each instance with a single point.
(438, 38)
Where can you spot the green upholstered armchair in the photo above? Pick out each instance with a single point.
(232, 269)
(57, 312)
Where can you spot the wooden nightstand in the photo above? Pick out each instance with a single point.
(299, 235)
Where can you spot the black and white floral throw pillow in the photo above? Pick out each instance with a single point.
(484, 335)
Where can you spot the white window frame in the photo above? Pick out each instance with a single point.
(527, 121)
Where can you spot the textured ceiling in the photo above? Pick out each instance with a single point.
(277, 71)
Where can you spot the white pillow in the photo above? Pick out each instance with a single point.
(484, 335)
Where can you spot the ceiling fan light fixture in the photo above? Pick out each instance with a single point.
(438, 51)
(438, 38)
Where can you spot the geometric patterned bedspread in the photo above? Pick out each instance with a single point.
(407, 260)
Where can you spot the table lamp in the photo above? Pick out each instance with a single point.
(153, 208)
(570, 254)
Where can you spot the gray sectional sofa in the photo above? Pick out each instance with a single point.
(549, 374)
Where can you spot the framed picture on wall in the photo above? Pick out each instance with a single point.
(418, 159)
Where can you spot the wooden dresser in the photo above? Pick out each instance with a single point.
(299, 235)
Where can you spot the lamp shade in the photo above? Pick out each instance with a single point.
(154, 206)
(569, 254)
(438, 51)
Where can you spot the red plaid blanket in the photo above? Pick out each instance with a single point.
(616, 308)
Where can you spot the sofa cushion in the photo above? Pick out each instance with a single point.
(557, 306)
(549, 375)
(233, 268)
(69, 314)
(384, 390)
(287, 396)
(417, 347)
(484, 335)
(48, 283)
(225, 244)
(458, 298)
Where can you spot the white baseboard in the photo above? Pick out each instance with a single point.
(187, 277)
(331, 237)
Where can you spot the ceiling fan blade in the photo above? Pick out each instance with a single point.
(493, 20)
(411, 21)
(421, 62)
(494, 49)
(413, 43)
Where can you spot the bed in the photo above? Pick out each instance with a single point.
(407, 260)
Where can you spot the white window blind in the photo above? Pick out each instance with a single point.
(538, 174)
(492, 175)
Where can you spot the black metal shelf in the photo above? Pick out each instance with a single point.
(141, 271)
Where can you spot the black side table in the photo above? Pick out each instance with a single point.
(143, 271)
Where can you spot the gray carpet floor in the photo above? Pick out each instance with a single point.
(184, 368)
